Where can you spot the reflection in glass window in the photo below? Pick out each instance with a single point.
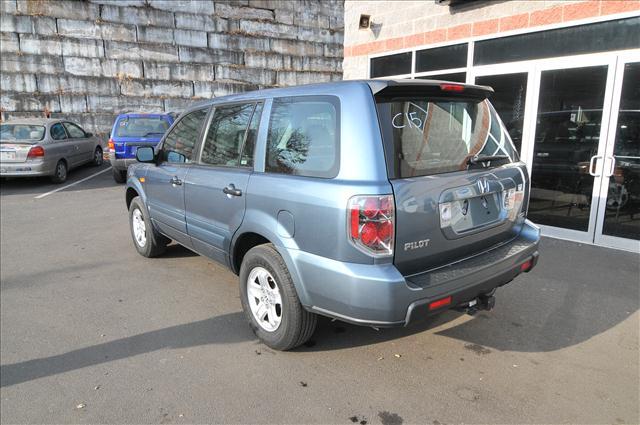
(446, 57)
(567, 136)
(622, 216)
(57, 132)
(141, 127)
(303, 137)
(179, 143)
(74, 131)
(433, 137)
(509, 97)
(226, 135)
(384, 66)
(22, 132)
(456, 77)
(246, 160)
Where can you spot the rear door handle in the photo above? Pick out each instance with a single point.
(176, 181)
(232, 191)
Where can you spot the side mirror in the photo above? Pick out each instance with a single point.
(89, 135)
(145, 154)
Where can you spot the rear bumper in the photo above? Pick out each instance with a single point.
(26, 169)
(120, 164)
(378, 295)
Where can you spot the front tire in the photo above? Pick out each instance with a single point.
(120, 176)
(60, 173)
(148, 243)
(270, 301)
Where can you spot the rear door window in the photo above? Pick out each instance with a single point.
(432, 136)
(303, 136)
(179, 144)
(226, 135)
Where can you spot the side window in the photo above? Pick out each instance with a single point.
(303, 137)
(246, 160)
(179, 143)
(57, 132)
(74, 131)
(226, 134)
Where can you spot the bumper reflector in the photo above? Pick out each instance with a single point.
(440, 303)
(526, 266)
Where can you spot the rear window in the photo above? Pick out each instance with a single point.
(141, 127)
(303, 136)
(22, 132)
(425, 136)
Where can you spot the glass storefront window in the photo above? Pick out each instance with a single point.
(384, 66)
(447, 57)
(509, 98)
(458, 77)
(577, 40)
(567, 136)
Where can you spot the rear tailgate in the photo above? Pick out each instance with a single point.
(457, 181)
(126, 147)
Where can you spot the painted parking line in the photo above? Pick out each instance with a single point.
(72, 184)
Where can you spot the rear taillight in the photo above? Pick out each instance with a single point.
(452, 87)
(36, 152)
(111, 146)
(372, 223)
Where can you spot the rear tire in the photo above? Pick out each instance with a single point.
(264, 268)
(120, 176)
(147, 241)
(97, 157)
(60, 172)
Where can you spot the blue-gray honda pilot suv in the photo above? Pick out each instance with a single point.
(373, 202)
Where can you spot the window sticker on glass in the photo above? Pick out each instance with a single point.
(414, 117)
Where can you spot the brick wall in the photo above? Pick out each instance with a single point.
(398, 25)
(90, 60)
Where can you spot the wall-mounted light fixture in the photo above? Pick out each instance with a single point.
(365, 22)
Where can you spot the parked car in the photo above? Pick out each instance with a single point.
(45, 147)
(129, 132)
(373, 202)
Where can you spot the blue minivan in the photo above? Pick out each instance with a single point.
(129, 132)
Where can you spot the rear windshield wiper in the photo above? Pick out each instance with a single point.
(151, 133)
(485, 158)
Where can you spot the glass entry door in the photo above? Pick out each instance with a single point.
(618, 222)
(568, 131)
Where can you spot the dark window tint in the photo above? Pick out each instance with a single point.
(622, 216)
(458, 77)
(509, 97)
(74, 131)
(226, 134)
(598, 37)
(246, 160)
(425, 137)
(441, 58)
(179, 143)
(57, 132)
(567, 135)
(141, 127)
(303, 137)
(391, 65)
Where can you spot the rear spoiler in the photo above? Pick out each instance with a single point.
(410, 88)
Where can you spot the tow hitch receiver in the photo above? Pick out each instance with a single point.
(483, 302)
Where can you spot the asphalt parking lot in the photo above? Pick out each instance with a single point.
(93, 332)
